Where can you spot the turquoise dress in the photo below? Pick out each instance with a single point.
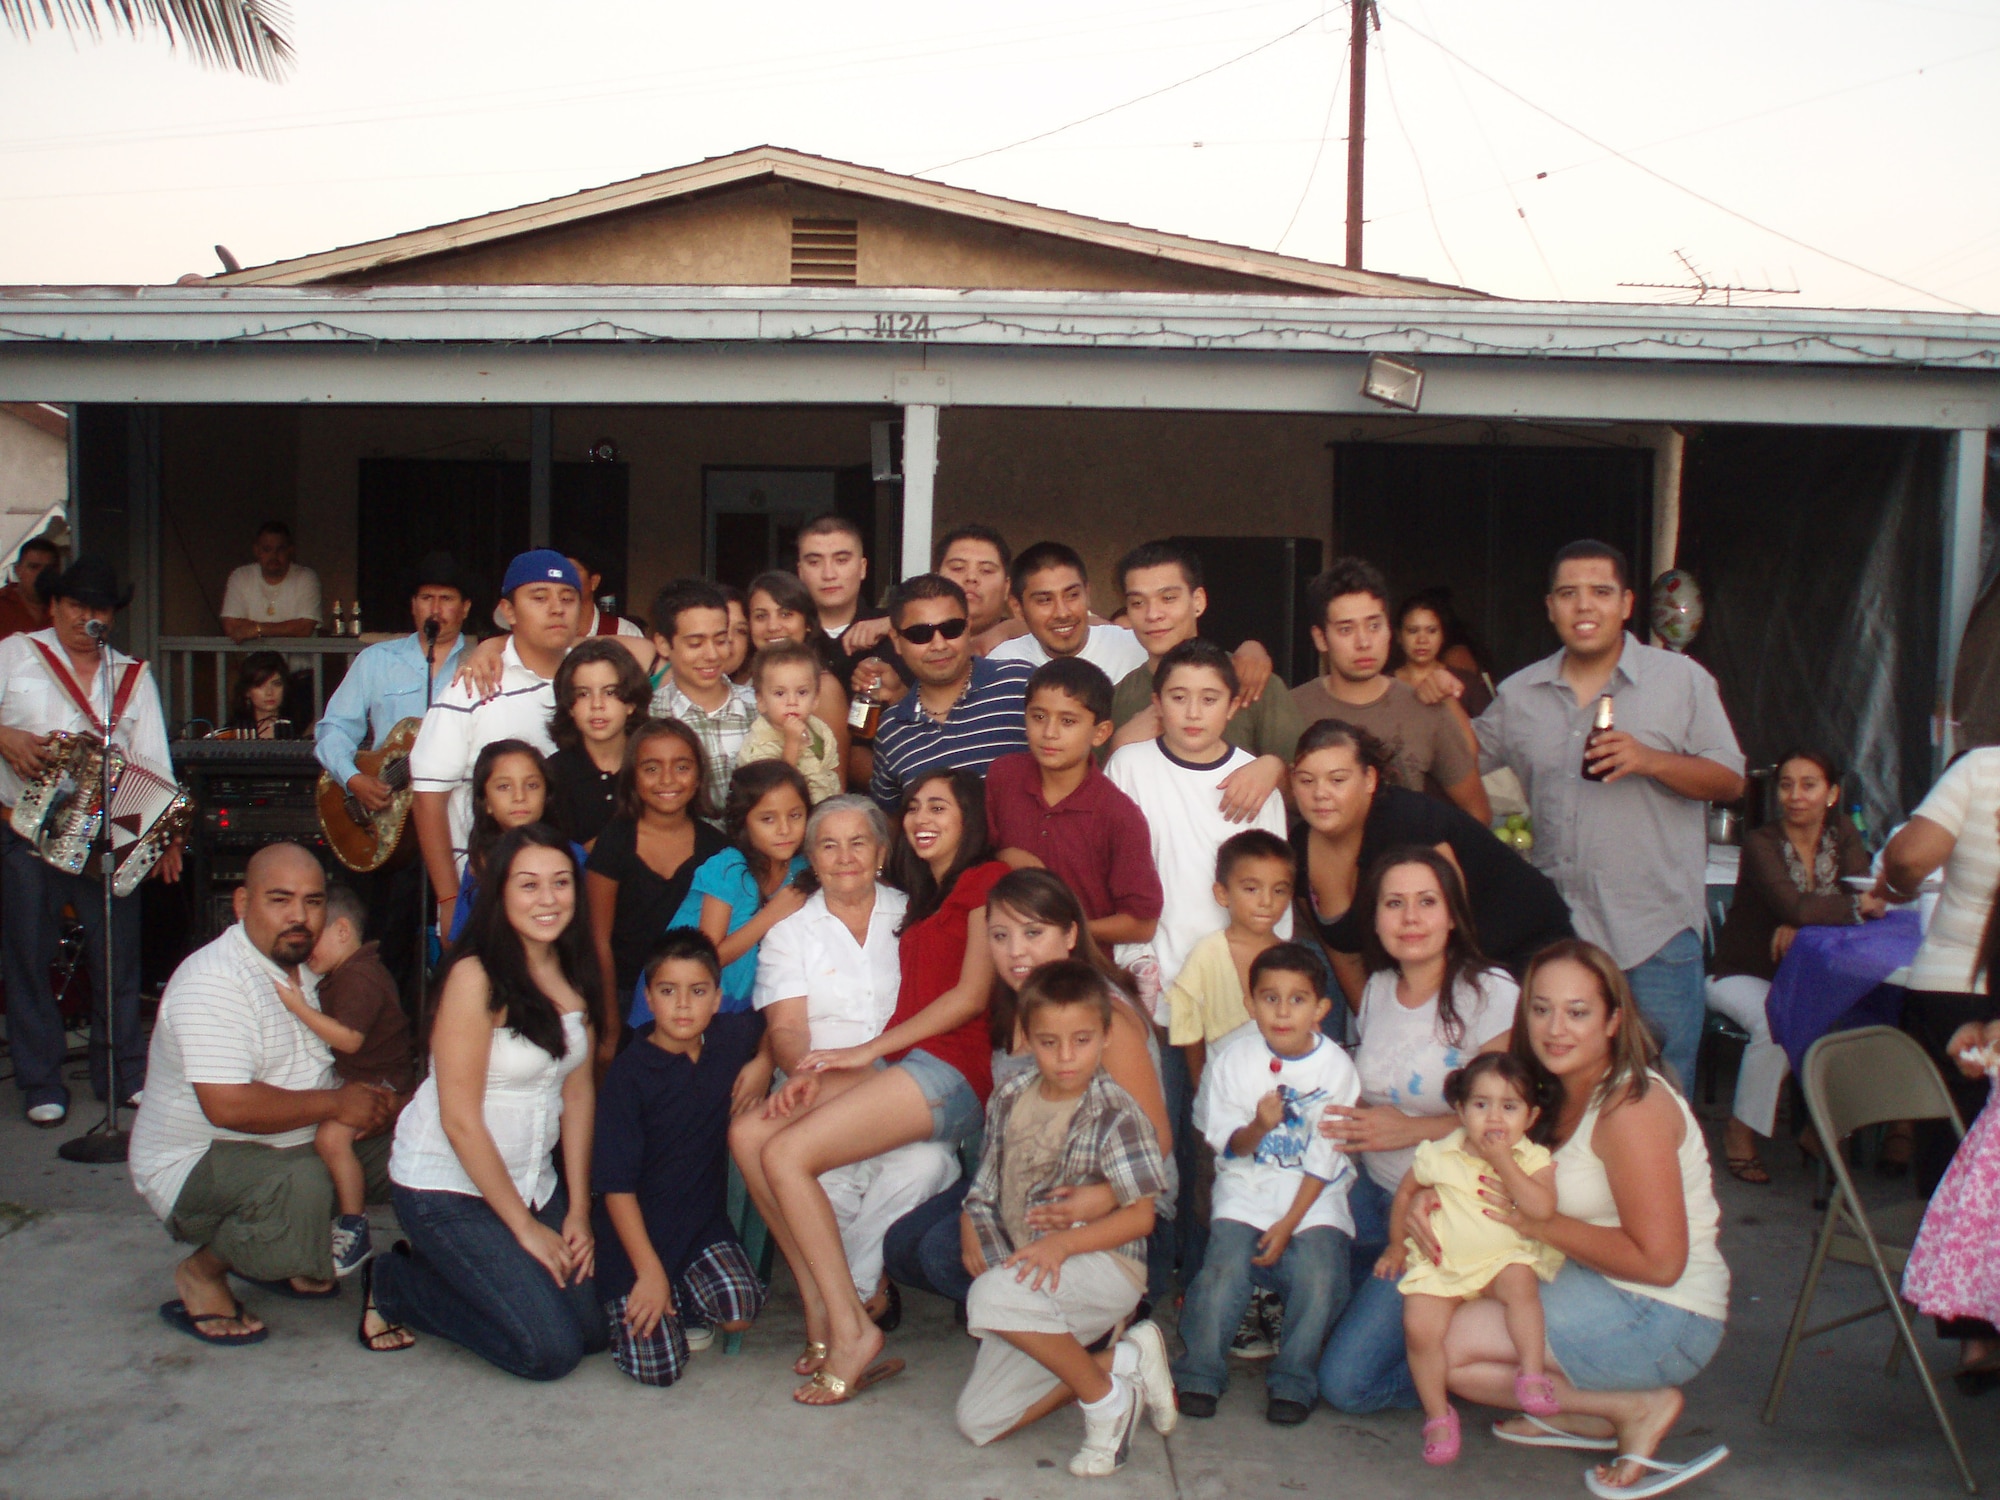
(725, 876)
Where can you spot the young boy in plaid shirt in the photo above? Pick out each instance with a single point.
(669, 1267)
(1044, 1290)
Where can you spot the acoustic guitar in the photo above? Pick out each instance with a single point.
(366, 841)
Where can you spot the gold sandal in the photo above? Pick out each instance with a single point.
(814, 1350)
(843, 1391)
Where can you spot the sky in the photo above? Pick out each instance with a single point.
(1812, 152)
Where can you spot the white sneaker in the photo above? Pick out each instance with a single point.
(47, 1114)
(698, 1339)
(1155, 1379)
(1107, 1435)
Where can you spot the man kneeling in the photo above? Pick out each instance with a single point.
(1036, 1303)
(223, 1150)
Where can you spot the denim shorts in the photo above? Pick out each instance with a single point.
(1608, 1339)
(955, 1111)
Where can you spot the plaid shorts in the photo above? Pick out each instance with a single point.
(719, 1286)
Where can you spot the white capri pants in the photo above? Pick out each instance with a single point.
(869, 1196)
(1761, 1077)
(1093, 1295)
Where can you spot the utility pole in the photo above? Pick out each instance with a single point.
(1357, 119)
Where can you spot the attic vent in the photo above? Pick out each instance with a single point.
(824, 252)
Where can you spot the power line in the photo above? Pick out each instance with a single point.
(1681, 187)
(1325, 130)
(1416, 161)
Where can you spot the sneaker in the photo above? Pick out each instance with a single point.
(699, 1336)
(1154, 1379)
(351, 1245)
(1196, 1403)
(47, 1116)
(1251, 1342)
(1270, 1308)
(1107, 1434)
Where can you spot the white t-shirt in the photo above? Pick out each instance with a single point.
(1259, 1190)
(249, 597)
(1403, 1057)
(1112, 647)
(1963, 804)
(220, 1022)
(850, 987)
(1183, 809)
(31, 698)
(461, 724)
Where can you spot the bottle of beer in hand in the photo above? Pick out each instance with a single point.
(1600, 724)
(864, 713)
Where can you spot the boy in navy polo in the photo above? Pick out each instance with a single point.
(669, 1266)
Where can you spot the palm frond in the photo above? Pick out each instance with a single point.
(249, 36)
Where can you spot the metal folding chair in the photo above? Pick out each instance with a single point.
(1851, 1080)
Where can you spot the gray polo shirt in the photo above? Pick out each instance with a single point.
(1629, 857)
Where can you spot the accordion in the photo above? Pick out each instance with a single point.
(59, 812)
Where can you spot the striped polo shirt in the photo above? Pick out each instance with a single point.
(461, 723)
(988, 721)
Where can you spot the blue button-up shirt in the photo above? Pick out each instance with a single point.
(384, 685)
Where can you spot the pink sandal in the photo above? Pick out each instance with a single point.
(1535, 1394)
(1442, 1449)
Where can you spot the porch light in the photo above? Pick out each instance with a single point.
(1393, 383)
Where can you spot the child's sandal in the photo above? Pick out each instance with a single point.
(1535, 1394)
(1442, 1448)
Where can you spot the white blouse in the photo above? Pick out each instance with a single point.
(523, 1112)
(850, 988)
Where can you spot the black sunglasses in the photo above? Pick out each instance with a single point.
(920, 635)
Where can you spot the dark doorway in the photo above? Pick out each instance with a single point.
(1484, 521)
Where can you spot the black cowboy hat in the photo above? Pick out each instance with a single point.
(91, 581)
(441, 570)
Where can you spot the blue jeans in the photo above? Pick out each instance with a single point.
(1310, 1277)
(32, 894)
(469, 1280)
(921, 1249)
(1672, 995)
(1608, 1339)
(1365, 1367)
(1181, 1240)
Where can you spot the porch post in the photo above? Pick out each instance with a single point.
(541, 458)
(1964, 506)
(920, 453)
(142, 529)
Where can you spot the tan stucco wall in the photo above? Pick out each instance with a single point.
(742, 237)
(34, 476)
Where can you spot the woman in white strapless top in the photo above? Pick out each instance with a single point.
(500, 1252)
(1638, 1307)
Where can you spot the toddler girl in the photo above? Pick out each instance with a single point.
(786, 676)
(1953, 1274)
(510, 789)
(1494, 1098)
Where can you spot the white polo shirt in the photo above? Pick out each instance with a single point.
(461, 724)
(221, 1021)
(850, 988)
(1112, 647)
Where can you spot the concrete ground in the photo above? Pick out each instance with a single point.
(99, 1398)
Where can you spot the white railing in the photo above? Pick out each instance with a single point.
(178, 655)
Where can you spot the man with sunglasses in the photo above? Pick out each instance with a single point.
(966, 711)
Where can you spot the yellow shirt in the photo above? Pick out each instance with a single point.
(1475, 1247)
(1206, 1003)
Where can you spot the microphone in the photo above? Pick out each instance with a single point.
(97, 630)
(431, 630)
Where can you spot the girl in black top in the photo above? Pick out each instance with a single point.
(645, 859)
(1350, 815)
(601, 695)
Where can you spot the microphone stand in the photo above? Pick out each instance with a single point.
(105, 1142)
(425, 915)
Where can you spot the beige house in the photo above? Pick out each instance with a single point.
(34, 475)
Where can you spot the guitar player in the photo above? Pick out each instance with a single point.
(383, 686)
(49, 683)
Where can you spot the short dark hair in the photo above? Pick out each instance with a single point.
(1592, 551)
(1196, 652)
(1289, 958)
(683, 944)
(1039, 559)
(924, 586)
(1337, 734)
(275, 528)
(1459, 1081)
(1075, 678)
(1160, 555)
(38, 544)
(631, 687)
(585, 562)
(344, 904)
(1347, 575)
(971, 531)
(1251, 843)
(831, 523)
(627, 804)
(1064, 982)
(678, 597)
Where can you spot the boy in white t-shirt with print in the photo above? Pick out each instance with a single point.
(1281, 1219)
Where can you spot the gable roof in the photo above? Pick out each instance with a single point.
(775, 162)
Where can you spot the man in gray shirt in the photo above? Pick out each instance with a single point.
(1629, 852)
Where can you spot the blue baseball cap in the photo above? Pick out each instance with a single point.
(542, 565)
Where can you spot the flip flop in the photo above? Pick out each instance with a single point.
(1665, 1476)
(283, 1288)
(1552, 1436)
(844, 1391)
(175, 1315)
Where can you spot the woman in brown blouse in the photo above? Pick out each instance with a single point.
(1790, 878)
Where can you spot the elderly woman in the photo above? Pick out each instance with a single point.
(839, 1107)
(1638, 1307)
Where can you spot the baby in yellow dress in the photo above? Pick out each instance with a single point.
(1481, 1256)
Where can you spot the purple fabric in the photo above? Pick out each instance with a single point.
(1832, 980)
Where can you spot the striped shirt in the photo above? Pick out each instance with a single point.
(721, 733)
(989, 720)
(461, 724)
(1963, 804)
(220, 1022)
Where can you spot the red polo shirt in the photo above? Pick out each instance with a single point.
(1095, 839)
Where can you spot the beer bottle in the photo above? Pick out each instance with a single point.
(1600, 724)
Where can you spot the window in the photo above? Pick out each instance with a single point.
(824, 252)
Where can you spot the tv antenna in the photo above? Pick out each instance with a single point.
(1704, 292)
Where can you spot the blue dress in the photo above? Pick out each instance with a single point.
(725, 876)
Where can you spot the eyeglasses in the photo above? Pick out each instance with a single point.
(920, 635)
